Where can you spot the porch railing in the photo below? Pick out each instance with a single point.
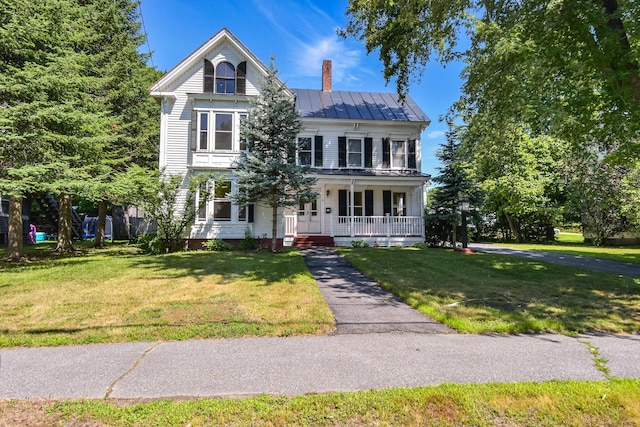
(366, 226)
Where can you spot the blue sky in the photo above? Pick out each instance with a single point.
(299, 34)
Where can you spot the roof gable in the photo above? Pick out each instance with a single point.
(197, 56)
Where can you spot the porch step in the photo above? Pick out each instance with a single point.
(306, 241)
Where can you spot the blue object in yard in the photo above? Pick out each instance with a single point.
(41, 237)
(89, 227)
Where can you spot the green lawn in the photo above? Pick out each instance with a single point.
(573, 244)
(118, 294)
(555, 403)
(486, 293)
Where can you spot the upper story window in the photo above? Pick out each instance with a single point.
(219, 131)
(310, 151)
(354, 152)
(225, 78)
(399, 154)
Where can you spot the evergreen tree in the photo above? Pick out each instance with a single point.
(49, 115)
(443, 216)
(268, 172)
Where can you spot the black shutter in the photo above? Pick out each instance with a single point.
(250, 214)
(241, 78)
(208, 76)
(368, 152)
(342, 151)
(194, 130)
(411, 151)
(342, 203)
(318, 151)
(386, 153)
(368, 202)
(386, 202)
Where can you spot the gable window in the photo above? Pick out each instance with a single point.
(225, 78)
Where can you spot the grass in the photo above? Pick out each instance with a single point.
(570, 403)
(117, 294)
(573, 244)
(490, 293)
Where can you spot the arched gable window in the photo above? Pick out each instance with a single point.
(225, 78)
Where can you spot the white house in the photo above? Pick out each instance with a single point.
(363, 147)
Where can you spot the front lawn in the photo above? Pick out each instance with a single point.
(117, 294)
(485, 293)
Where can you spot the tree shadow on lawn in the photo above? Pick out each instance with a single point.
(520, 295)
(263, 267)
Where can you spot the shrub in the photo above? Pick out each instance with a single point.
(217, 245)
(249, 243)
(359, 244)
(151, 244)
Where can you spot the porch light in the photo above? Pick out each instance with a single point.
(463, 205)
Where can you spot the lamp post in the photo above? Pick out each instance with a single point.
(464, 208)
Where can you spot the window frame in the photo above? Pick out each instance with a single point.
(349, 152)
(211, 133)
(405, 159)
(310, 151)
(226, 80)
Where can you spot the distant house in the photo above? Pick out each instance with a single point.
(363, 147)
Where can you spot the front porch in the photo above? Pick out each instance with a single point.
(373, 230)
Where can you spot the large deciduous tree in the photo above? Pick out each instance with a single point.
(268, 173)
(567, 68)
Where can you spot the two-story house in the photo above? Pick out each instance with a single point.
(363, 147)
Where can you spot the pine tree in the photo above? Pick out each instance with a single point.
(268, 172)
(454, 185)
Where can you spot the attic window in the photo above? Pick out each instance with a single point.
(225, 78)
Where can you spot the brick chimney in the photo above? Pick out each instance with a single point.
(326, 75)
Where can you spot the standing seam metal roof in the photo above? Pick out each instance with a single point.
(357, 105)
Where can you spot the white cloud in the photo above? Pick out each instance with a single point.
(436, 134)
(344, 60)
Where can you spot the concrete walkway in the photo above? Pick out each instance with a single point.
(291, 366)
(621, 268)
(360, 305)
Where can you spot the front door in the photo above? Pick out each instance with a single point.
(308, 218)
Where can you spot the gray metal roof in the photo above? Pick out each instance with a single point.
(340, 104)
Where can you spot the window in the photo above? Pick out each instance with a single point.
(219, 131)
(399, 205)
(398, 154)
(304, 151)
(244, 143)
(224, 131)
(354, 152)
(201, 202)
(204, 126)
(225, 78)
(222, 205)
(357, 204)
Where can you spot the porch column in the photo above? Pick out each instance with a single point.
(352, 209)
